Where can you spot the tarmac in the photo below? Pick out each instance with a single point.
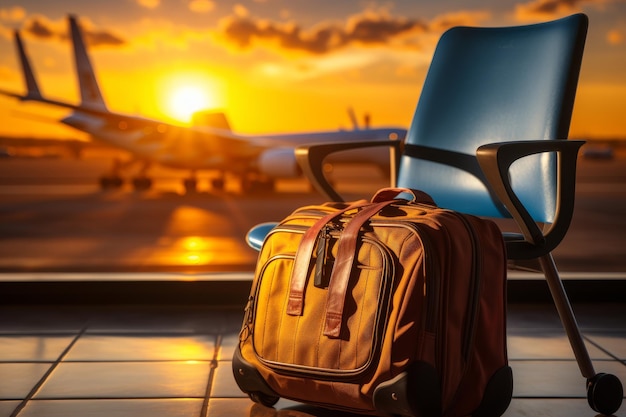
(128, 304)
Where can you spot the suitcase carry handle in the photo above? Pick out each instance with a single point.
(303, 258)
(304, 254)
(346, 252)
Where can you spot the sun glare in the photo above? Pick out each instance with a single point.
(186, 94)
(187, 100)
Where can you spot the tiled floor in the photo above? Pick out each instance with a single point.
(175, 361)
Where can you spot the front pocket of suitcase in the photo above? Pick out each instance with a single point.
(296, 344)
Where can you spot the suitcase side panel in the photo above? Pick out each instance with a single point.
(487, 357)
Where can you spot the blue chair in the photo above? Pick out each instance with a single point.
(487, 138)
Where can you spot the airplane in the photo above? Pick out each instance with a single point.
(209, 144)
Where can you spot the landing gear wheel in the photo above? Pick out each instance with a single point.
(142, 183)
(604, 393)
(107, 183)
(191, 185)
(266, 400)
(257, 186)
(218, 184)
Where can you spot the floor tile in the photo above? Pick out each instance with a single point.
(613, 343)
(33, 348)
(545, 345)
(519, 408)
(156, 361)
(127, 380)
(556, 379)
(229, 342)
(605, 316)
(288, 408)
(19, 378)
(7, 407)
(139, 348)
(114, 408)
(551, 407)
(233, 407)
(532, 316)
(224, 384)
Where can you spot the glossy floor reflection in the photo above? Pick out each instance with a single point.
(175, 361)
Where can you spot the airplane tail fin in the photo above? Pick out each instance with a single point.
(355, 123)
(211, 119)
(32, 87)
(90, 94)
(352, 115)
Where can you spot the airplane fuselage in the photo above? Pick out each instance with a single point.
(198, 148)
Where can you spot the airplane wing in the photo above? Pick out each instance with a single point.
(152, 131)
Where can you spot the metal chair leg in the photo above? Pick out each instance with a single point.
(566, 314)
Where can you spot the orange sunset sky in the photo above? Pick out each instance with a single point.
(281, 65)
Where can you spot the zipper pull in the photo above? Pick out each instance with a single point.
(321, 277)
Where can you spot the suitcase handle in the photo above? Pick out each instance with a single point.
(299, 274)
(340, 276)
(303, 257)
(346, 252)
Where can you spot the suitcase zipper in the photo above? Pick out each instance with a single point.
(475, 285)
(474, 301)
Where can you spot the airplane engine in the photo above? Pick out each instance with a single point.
(279, 163)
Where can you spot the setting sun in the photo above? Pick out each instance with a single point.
(185, 94)
(187, 100)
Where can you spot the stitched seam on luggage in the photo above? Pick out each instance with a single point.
(280, 320)
(277, 364)
(405, 295)
(295, 337)
(320, 330)
(356, 347)
(267, 303)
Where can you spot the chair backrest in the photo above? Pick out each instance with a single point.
(489, 85)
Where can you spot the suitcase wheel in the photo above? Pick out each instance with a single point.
(497, 395)
(414, 392)
(251, 382)
(604, 393)
(264, 399)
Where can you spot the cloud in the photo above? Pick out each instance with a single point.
(103, 38)
(462, 18)
(615, 37)
(546, 9)
(149, 4)
(41, 28)
(13, 14)
(201, 6)
(368, 28)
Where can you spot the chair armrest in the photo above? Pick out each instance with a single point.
(311, 160)
(495, 160)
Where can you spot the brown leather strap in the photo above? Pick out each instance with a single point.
(340, 276)
(347, 250)
(304, 254)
